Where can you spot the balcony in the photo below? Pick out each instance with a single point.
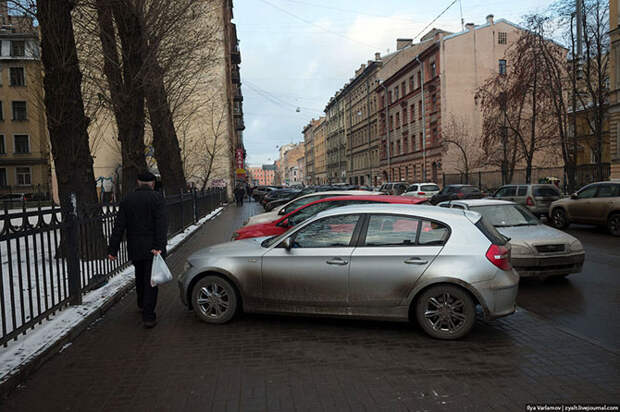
(239, 125)
(235, 55)
(236, 77)
(238, 97)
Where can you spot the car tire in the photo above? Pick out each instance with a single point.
(613, 224)
(214, 300)
(558, 218)
(454, 312)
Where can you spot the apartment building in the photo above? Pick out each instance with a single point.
(614, 86)
(320, 152)
(24, 143)
(262, 175)
(308, 133)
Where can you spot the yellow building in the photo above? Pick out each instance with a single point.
(24, 144)
(587, 144)
(614, 86)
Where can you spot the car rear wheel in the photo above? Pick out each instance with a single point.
(613, 224)
(214, 300)
(558, 218)
(446, 312)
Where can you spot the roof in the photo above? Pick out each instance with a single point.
(424, 211)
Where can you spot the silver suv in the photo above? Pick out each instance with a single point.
(396, 189)
(394, 262)
(536, 197)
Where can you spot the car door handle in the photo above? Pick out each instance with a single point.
(416, 261)
(337, 261)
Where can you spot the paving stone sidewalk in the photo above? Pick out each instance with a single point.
(281, 363)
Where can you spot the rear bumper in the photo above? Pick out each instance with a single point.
(544, 266)
(499, 294)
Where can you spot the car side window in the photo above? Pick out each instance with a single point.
(413, 188)
(587, 192)
(332, 231)
(433, 234)
(607, 191)
(308, 212)
(389, 230)
(507, 191)
(522, 191)
(454, 206)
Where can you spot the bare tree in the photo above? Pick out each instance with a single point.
(456, 133)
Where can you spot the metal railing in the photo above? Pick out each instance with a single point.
(50, 257)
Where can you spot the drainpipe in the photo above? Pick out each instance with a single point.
(387, 128)
(423, 120)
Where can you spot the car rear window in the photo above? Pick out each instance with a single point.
(491, 233)
(470, 189)
(429, 188)
(546, 192)
(522, 191)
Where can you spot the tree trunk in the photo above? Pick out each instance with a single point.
(66, 122)
(165, 141)
(126, 88)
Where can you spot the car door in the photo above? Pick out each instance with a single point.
(506, 193)
(578, 209)
(600, 205)
(393, 252)
(315, 271)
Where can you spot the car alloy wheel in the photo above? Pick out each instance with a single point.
(613, 224)
(214, 300)
(446, 312)
(558, 218)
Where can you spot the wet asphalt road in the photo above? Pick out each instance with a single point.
(585, 304)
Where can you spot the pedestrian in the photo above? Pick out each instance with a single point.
(239, 194)
(142, 215)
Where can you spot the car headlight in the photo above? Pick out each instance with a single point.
(519, 250)
(575, 246)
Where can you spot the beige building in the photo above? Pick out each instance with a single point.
(24, 143)
(614, 86)
(291, 164)
(320, 152)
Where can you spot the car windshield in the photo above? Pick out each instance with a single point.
(506, 215)
(299, 203)
(270, 241)
(429, 188)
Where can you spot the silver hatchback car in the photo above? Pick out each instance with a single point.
(392, 262)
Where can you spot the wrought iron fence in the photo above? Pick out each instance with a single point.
(50, 257)
(491, 180)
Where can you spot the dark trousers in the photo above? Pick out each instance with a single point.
(147, 295)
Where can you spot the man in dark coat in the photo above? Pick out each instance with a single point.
(142, 214)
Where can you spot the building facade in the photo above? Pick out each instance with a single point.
(24, 142)
(262, 175)
(614, 86)
(320, 152)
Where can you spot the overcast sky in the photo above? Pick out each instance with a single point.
(298, 53)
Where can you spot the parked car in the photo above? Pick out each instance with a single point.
(537, 249)
(302, 213)
(278, 194)
(395, 188)
(260, 191)
(536, 197)
(596, 204)
(426, 190)
(454, 192)
(300, 201)
(14, 197)
(276, 203)
(380, 261)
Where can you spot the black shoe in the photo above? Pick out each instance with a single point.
(149, 324)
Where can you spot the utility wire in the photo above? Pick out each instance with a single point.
(349, 10)
(316, 25)
(435, 19)
(275, 99)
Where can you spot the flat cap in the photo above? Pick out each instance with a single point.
(146, 177)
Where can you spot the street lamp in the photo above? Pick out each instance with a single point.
(387, 126)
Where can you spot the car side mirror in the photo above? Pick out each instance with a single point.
(287, 243)
(573, 196)
(281, 212)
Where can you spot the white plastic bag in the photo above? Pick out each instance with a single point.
(159, 272)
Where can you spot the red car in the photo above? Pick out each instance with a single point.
(297, 216)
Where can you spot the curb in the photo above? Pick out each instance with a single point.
(28, 368)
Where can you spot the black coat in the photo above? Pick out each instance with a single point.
(143, 215)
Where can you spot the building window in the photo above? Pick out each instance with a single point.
(22, 144)
(420, 78)
(390, 97)
(17, 77)
(502, 37)
(403, 88)
(1, 108)
(19, 111)
(391, 122)
(618, 140)
(420, 110)
(411, 85)
(502, 67)
(18, 48)
(397, 120)
(396, 93)
(433, 69)
(434, 101)
(413, 113)
(2, 145)
(24, 177)
(3, 181)
(405, 115)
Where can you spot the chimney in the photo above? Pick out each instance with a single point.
(490, 19)
(377, 56)
(402, 43)
(470, 26)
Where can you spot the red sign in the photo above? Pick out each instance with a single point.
(239, 158)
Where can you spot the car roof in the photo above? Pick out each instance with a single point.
(375, 198)
(424, 183)
(479, 202)
(424, 211)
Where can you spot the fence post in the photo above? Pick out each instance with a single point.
(195, 203)
(182, 210)
(72, 252)
(479, 180)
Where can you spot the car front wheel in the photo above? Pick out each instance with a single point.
(613, 224)
(214, 300)
(558, 218)
(446, 312)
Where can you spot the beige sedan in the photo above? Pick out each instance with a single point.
(595, 204)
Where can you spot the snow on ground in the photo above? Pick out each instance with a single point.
(28, 347)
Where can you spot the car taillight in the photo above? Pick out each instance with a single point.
(499, 256)
(529, 201)
(460, 194)
(421, 193)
